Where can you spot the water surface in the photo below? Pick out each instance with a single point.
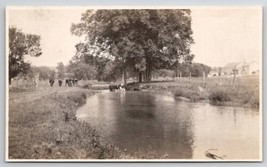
(161, 124)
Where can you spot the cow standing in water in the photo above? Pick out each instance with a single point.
(116, 87)
(51, 82)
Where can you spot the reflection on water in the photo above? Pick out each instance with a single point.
(182, 130)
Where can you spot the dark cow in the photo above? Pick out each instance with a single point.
(66, 82)
(71, 82)
(51, 82)
(113, 87)
(75, 81)
(59, 82)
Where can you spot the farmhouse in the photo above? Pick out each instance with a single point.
(214, 72)
(240, 68)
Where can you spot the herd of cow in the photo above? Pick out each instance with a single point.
(68, 82)
(73, 82)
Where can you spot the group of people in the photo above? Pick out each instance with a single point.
(68, 82)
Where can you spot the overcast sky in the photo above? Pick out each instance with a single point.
(221, 35)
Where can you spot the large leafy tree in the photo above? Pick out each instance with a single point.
(20, 45)
(142, 40)
(87, 65)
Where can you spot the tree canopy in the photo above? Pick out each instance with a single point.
(139, 40)
(20, 45)
(197, 69)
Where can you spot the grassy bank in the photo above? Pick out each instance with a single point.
(240, 95)
(43, 125)
(46, 127)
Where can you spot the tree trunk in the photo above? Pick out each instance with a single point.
(190, 75)
(204, 78)
(220, 80)
(140, 76)
(9, 80)
(234, 78)
(148, 70)
(124, 76)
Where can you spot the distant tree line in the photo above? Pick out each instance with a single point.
(196, 70)
(44, 72)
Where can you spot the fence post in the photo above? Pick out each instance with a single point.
(234, 77)
(204, 78)
(189, 76)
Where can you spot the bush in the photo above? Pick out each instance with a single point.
(193, 95)
(254, 102)
(219, 96)
(87, 86)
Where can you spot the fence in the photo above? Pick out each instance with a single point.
(251, 80)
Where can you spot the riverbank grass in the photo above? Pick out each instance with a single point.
(240, 96)
(47, 128)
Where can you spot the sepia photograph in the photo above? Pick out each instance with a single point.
(134, 84)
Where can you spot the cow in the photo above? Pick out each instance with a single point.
(75, 81)
(59, 82)
(70, 82)
(67, 82)
(113, 87)
(51, 82)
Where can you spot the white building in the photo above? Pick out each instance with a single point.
(240, 68)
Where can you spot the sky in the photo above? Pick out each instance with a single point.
(221, 35)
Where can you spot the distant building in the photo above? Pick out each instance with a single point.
(241, 69)
(214, 72)
(251, 68)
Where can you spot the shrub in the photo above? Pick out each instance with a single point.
(87, 86)
(219, 96)
(254, 102)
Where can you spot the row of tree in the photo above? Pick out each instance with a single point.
(194, 70)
